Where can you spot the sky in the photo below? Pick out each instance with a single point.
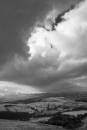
(43, 46)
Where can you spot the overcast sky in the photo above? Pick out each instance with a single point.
(43, 44)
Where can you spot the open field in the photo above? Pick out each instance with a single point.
(45, 112)
(20, 125)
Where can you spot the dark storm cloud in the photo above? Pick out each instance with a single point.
(16, 16)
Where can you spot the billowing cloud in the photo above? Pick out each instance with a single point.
(68, 40)
(57, 49)
(65, 45)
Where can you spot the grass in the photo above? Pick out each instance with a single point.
(20, 125)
